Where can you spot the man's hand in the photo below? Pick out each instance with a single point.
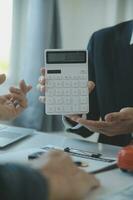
(66, 180)
(116, 123)
(12, 104)
(41, 85)
(42, 88)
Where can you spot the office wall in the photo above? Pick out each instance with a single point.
(80, 18)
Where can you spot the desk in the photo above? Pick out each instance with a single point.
(111, 181)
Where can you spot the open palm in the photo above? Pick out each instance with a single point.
(13, 103)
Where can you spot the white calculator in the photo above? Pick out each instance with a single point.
(66, 82)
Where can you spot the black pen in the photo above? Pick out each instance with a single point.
(78, 163)
(81, 164)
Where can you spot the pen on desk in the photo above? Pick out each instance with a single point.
(77, 151)
(78, 163)
(81, 164)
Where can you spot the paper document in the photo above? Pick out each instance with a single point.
(88, 161)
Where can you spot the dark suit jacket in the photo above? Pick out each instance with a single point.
(22, 183)
(111, 68)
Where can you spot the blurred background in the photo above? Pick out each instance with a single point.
(27, 27)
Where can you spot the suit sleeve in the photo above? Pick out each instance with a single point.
(94, 113)
(23, 183)
(93, 104)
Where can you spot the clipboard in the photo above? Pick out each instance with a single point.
(89, 161)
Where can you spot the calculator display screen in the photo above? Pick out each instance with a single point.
(66, 57)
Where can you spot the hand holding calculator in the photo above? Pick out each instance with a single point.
(66, 82)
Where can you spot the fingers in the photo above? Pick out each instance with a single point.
(25, 88)
(42, 99)
(2, 78)
(127, 109)
(42, 70)
(91, 86)
(41, 88)
(93, 124)
(15, 90)
(29, 87)
(115, 116)
(98, 126)
(41, 85)
(115, 123)
(42, 80)
(19, 95)
(124, 114)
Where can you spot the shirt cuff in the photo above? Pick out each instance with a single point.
(69, 125)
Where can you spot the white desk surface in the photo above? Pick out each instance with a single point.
(111, 181)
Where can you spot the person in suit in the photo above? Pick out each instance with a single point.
(52, 177)
(110, 52)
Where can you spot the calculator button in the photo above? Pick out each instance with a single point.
(75, 77)
(84, 77)
(83, 91)
(50, 83)
(75, 91)
(59, 109)
(67, 91)
(75, 83)
(50, 109)
(58, 83)
(49, 77)
(83, 99)
(75, 100)
(67, 83)
(54, 77)
(75, 108)
(50, 92)
(50, 100)
(84, 108)
(66, 77)
(58, 77)
(59, 100)
(67, 100)
(82, 83)
(59, 92)
(67, 108)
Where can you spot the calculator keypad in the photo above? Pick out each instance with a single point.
(66, 94)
